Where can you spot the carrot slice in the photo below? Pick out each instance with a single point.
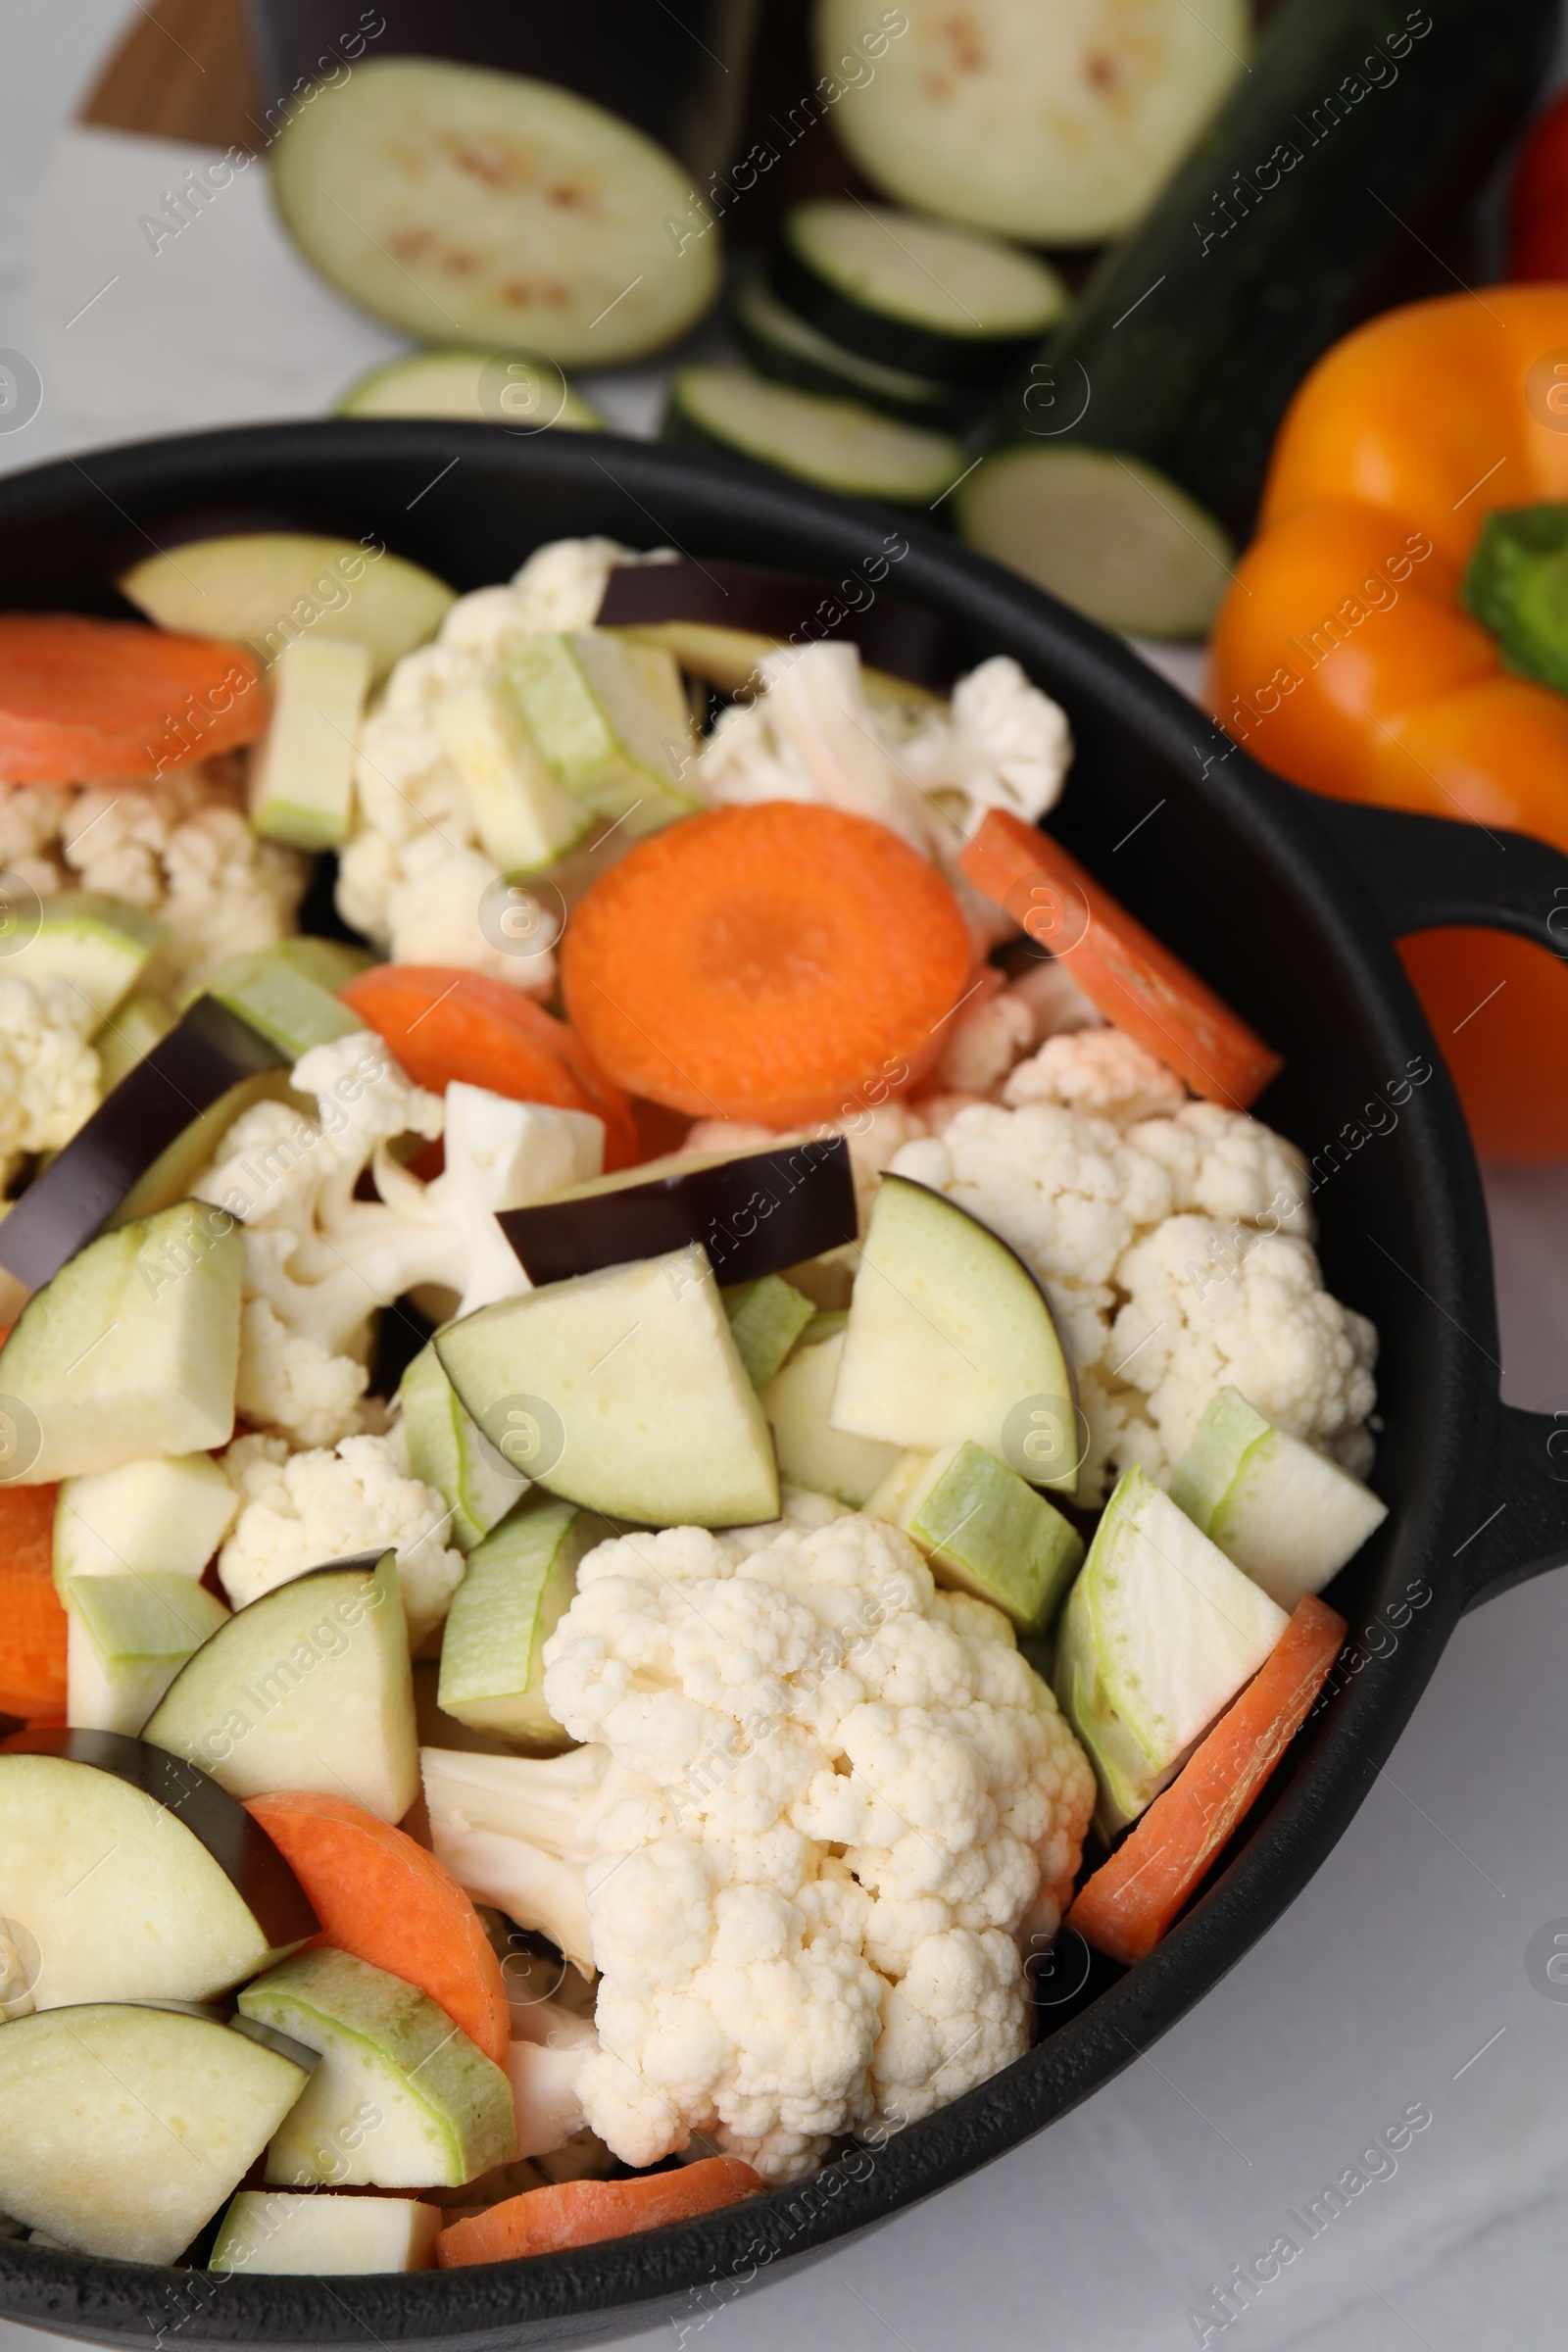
(582, 2213)
(1121, 967)
(32, 1622)
(81, 700)
(781, 963)
(444, 1024)
(1131, 1901)
(383, 1898)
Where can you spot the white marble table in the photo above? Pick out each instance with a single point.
(1397, 1980)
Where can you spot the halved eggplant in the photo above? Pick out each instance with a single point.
(753, 1215)
(755, 601)
(203, 1057)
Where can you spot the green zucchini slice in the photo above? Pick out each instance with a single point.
(783, 347)
(834, 442)
(1109, 535)
(468, 205)
(1059, 124)
(914, 294)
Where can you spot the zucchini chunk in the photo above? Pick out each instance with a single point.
(834, 442)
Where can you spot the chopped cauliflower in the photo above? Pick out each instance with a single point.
(49, 1075)
(1164, 1306)
(411, 874)
(986, 1037)
(826, 1796)
(298, 1511)
(1101, 1072)
(179, 848)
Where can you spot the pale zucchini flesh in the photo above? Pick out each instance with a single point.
(314, 2234)
(168, 1515)
(448, 1450)
(97, 943)
(811, 1453)
(518, 389)
(464, 204)
(302, 771)
(1278, 1508)
(835, 443)
(788, 350)
(519, 1583)
(1106, 533)
(1056, 124)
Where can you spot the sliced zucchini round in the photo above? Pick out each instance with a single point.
(467, 205)
(781, 346)
(1055, 121)
(520, 389)
(911, 293)
(834, 442)
(1109, 535)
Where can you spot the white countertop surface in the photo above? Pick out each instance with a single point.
(1398, 1979)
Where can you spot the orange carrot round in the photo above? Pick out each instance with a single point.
(443, 1024)
(81, 700)
(32, 1622)
(583, 2213)
(383, 1898)
(1131, 1901)
(780, 962)
(1121, 967)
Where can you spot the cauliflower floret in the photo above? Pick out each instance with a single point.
(1101, 1072)
(1057, 1005)
(1005, 745)
(300, 1510)
(774, 1693)
(1196, 1321)
(49, 1075)
(289, 1381)
(988, 1035)
(1228, 1165)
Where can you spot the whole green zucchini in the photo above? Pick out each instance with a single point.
(1350, 147)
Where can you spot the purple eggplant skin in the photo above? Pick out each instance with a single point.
(754, 1216)
(789, 606)
(240, 1847)
(203, 1056)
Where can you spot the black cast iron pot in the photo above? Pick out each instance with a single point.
(1288, 904)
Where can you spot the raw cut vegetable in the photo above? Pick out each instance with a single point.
(133, 1350)
(1160, 1632)
(445, 1025)
(32, 1622)
(302, 771)
(1108, 534)
(522, 816)
(792, 955)
(543, 2068)
(129, 1637)
(611, 722)
(444, 2108)
(267, 588)
(283, 1000)
(134, 1139)
(621, 1391)
(99, 943)
(584, 2213)
(1294, 212)
(766, 1319)
(1344, 660)
(312, 2235)
(950, 1337)
(457, 201)
(727, 607)
(1059, 125)
(1138, 985)
(520, 1582)
(754, 1213)
(1131, 1899)
(80, 700)
(811, 1453)
(1278, 1508)
(836, 443)
(516, 1831)
(518, 389)
(908, 292)
(781, 346)
(309, 1688)
(385, 1899)
(127, 2128)
(983, 1529)
(185, 1898)
(447, 1449)
(168, 1514)
(132, 1035)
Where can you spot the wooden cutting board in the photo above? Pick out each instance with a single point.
(183, 72)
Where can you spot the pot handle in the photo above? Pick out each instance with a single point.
(1423, 873)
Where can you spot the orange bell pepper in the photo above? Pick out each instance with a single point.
(1344, 658)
